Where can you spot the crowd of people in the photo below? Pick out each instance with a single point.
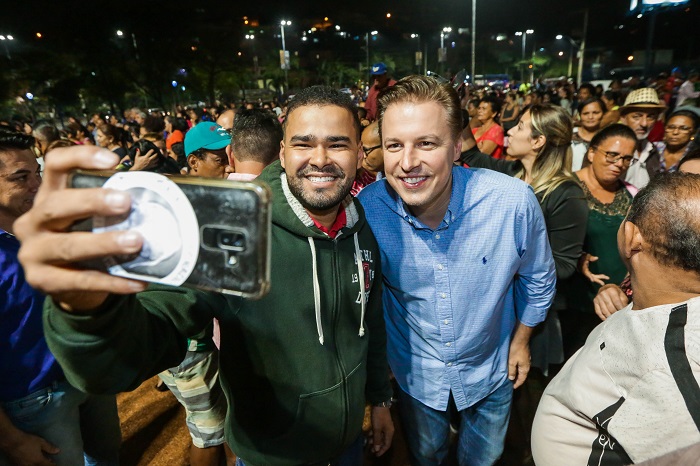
(468, 253)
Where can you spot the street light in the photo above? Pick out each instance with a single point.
(5, 39)
(442, 56)
(524, 40)
(369, 70)
(284, 59)
(574, 45)
(120, 34)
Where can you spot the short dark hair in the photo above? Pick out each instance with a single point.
(665, 211)
(588, 86)
(321, 96)
(688, 114)
(616, 130)
(165, 164)
(256, 136)
(14, 140)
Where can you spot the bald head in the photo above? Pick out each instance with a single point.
(226, 119)
(666, 214)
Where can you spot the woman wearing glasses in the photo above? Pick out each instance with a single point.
(610, 154)
(679, 131)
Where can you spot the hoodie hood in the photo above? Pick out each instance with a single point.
(292, 216)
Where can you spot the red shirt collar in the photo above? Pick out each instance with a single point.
(340, 221)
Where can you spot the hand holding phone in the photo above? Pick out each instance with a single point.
(50, 253)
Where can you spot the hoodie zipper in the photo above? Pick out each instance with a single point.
(336, 307)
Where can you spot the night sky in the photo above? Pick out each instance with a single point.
(84, 21)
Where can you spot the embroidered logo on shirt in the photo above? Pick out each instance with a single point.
(483, 261)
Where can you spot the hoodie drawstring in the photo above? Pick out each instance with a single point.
(317, 291)
(317, 288)
(361, 276)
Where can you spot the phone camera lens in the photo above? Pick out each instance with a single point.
(231, 240)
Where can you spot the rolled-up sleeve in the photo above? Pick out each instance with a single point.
(535, 284)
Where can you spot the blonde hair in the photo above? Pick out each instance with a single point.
(553, 162)
(419, 89)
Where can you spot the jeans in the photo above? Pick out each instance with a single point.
(84, 427)
(482, 429)
(352, 456)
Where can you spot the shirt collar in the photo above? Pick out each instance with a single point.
(338, 224)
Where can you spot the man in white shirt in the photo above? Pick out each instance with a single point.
(687, 89)
(631, 393)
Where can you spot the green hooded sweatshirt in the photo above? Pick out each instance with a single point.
(297, 366)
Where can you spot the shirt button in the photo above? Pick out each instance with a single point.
(437, 235)
(448, 344)
(443, 295)
(449, 364)
(440, 267)
(447, 322)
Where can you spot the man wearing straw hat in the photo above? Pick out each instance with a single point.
(640, 112)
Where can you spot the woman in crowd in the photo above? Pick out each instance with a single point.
(176, 128)
(678, 133)
(591, 112)
(489, 136)
(611, 99)
(510, 112)
(112, 137)
(609, 156)
(472, 106)
(541, 145)
(564, 98)
(78, 134)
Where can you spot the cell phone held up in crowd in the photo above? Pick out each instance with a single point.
(198, 232)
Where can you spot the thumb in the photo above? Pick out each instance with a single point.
(592, 258)
(49, 448)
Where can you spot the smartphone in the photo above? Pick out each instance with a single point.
(203, 233)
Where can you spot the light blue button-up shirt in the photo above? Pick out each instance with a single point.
(453, 295)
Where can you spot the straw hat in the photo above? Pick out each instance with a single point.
(645, 98)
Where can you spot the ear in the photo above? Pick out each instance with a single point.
(458, 149)
(231, 158)
(192, 162)
(538, 142)
(632, 241)
(282, 153)
(589, 154)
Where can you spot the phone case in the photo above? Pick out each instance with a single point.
(198, 232)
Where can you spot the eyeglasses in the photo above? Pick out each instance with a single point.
(368, 150)
(682, 129)
(614, 157)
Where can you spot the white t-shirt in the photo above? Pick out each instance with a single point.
(618, 398)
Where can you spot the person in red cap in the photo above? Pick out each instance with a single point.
(381, 81)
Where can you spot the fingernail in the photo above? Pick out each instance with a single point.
(117, 199)
(105, 159)
(137, 286)
(129, 239)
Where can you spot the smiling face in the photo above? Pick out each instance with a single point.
(419, 152)
(605, 172)
(320, 154)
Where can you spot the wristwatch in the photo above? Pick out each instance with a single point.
(384, 404)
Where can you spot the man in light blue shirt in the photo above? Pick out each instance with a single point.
(468, 272)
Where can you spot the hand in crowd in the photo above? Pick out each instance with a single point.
(609, 300)
(26, 449)
(145, 161)
(382, 431)
(583, 266)
(49, 252)
(519, 356)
